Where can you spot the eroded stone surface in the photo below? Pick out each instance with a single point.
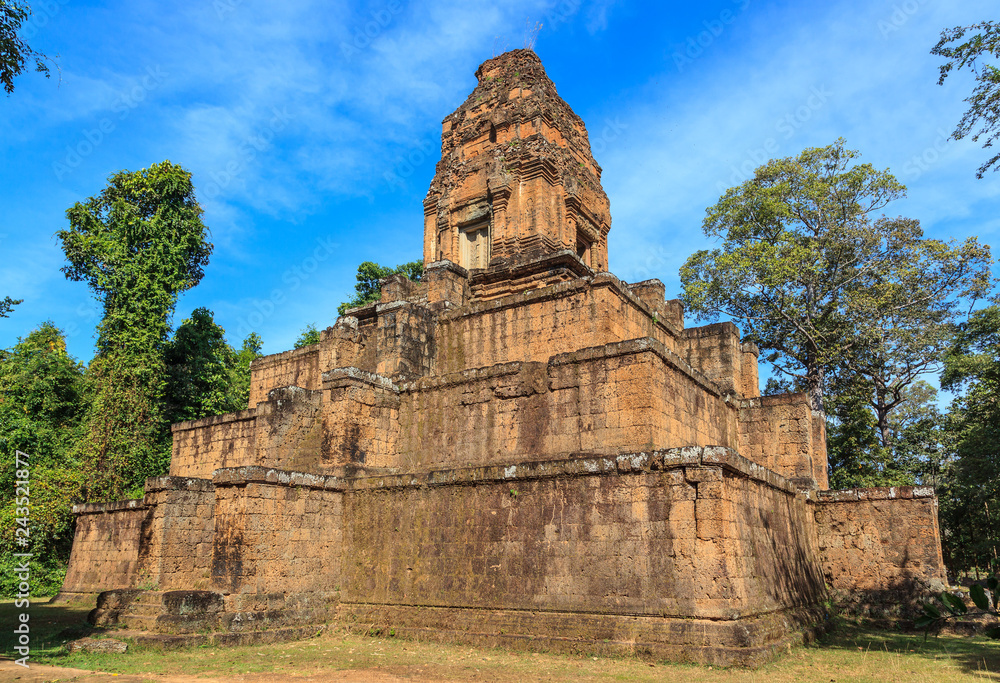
(519, 449)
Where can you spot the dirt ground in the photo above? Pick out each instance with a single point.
(38, 673)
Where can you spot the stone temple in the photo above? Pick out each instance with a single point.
(520, 449)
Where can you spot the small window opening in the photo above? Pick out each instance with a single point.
(475, 242)
(493, 133)
(583, 249)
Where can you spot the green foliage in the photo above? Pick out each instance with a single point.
(913, 453)
(138, 245)
(950, 606)
(984, 103)
(248, 353)
(823, 282)
(310, 335)
(970, 499)
(41, 414)
(368, 290)
(204, 374)
(14, 52)
(855, 454)
(41, 392)
(7, 305)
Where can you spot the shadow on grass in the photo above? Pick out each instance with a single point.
(975, 655)
(50, 626)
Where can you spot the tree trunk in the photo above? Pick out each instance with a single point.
(814, 382)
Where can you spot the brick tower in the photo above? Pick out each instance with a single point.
(517, 188)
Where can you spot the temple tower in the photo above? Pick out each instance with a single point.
(517, 186)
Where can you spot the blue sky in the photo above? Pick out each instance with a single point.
(312, 128)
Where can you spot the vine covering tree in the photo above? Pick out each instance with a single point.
(138, 244)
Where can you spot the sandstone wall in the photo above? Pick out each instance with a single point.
(879, 539)
(276, 532)
(176, 544)
(289, 431)
(360, 420)
(784, 435)
(535, 325)
(623, 397)
(105, 553)
(718, 354)
(300, 368)
(202, 446)
(675, 534)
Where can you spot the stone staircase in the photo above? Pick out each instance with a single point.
(175, 612)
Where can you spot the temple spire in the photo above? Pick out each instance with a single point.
(517, 181)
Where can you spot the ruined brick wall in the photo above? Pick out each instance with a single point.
(406, 340)
(202, 446)
(289, 430)
(533, 326)
(276, 532)
(105, 553)
(176, 544)
(879, 539)
(659, 534)
(782, 434)
(299, 367)
(623, 397)
(717, 352)
(360, 420)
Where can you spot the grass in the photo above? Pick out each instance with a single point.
(851, 653)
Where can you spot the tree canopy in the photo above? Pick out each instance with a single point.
(14, 52)
(970, 505)
(138, 245)
(817, 275)
(368, 290)
(204, 374)
(984, 102)
(309, 335)
(42, 406)
(7, 305)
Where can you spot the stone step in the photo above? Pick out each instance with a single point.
(137, 622)
(147, 609)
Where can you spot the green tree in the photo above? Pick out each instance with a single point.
(368, 290)
(138, 245)
(984, 103)
(861, 455)
(822, 281)
(970, 505)
(247, 354)
(855, 455)
(14, 52)
(204, 374)
(7, 305)
(41, 414)
(309, 335)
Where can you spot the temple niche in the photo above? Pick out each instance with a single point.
(519, 449)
